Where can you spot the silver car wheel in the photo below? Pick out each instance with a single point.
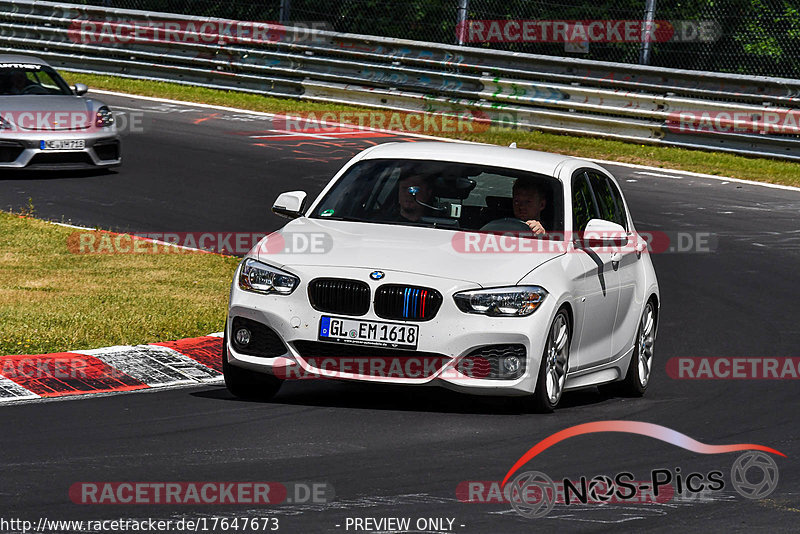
(647, 337)
(557, 354)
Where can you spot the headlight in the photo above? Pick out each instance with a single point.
(516, 301)
(261, 278)
(104, 118)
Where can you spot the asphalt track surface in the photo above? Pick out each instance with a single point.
(401, 452)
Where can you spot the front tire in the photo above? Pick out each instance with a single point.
(244, 383)
(554, 367)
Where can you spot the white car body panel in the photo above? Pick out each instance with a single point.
(403, 249)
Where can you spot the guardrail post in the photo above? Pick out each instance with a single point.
(463, 6)
(647, 29)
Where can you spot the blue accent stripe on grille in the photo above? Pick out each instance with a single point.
(416, 300)
(406, 294)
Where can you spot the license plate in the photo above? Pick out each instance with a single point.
(374, 333)
(63, 144)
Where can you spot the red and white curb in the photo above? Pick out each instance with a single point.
(186, 362)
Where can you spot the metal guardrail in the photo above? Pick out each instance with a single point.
(561, 95)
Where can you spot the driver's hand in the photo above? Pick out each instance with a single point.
(536, 227)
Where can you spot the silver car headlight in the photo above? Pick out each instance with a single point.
(104, 118)
(515, 301)
(262, 278)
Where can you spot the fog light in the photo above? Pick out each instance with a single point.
(242, 337)
(511, 364)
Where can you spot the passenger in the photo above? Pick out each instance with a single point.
(409, 208)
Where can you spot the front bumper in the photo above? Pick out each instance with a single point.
(452, 334)
(23, 151)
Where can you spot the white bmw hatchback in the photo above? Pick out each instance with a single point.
(483, 269)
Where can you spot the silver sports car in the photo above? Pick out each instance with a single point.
(46, 124)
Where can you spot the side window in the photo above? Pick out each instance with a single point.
(608, 199)
(621, 213)
(45, 80)
(583, 208)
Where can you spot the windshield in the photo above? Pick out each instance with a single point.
(444, 195)
(31, 79)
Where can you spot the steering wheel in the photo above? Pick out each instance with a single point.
(34, 90)
(508, 224)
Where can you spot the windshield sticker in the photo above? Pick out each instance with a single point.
(25, 66)
(326, 213)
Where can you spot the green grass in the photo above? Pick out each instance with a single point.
(716, 163)
(52, 300)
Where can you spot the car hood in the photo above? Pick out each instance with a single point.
(393, 248)
(44, 110)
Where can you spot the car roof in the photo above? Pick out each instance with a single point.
(19, 58)
(497, 156)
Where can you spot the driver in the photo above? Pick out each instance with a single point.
(410, 209)
(15, 83)
(6, 84)
(529, 199)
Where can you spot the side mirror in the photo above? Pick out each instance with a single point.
(599, 233)
(80, 89)
(290, 205)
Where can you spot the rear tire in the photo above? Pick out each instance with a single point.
(640, 369)
(554, 366)
(244, 383)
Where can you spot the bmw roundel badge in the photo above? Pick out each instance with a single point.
(377, 275)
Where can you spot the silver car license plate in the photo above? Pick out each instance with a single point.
(63, 144)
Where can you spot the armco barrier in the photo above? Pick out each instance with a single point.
(562, 95)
